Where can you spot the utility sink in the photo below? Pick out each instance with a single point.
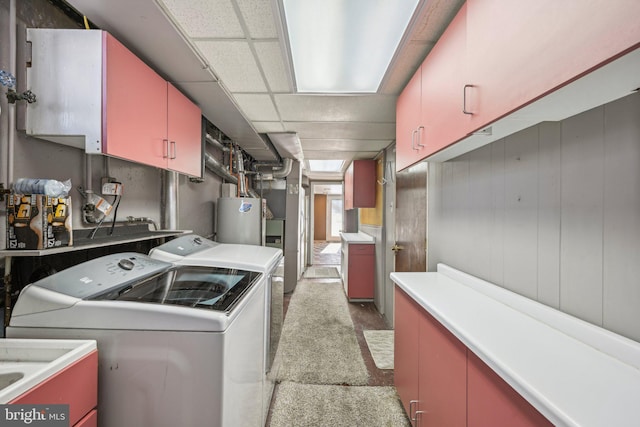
(25, 363)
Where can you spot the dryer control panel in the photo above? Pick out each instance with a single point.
(181, 247)
(103, 275)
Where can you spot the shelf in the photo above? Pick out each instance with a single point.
(133, 234)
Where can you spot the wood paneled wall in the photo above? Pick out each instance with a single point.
(552, 213)
(319, 217)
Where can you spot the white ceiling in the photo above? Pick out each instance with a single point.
(231, 58)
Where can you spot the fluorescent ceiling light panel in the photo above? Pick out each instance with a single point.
(344, 46)
(325, 165)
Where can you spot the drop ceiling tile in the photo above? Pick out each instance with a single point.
(334, 130)
(257, 107)
(234, 64)
(273, 64)
(317, 108)
(258, 16)
(344, 144)
(268, 127)
(205, 18)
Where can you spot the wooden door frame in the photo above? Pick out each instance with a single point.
(330, 197)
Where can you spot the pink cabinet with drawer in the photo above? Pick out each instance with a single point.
(358, 270)
(76, 385)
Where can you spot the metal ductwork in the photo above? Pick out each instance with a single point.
(242, 184)
(277, 170)
(284, 171)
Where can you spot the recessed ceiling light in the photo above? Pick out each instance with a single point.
(325, 165)
(344, 46)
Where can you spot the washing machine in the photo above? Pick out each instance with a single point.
(196, 250)
(179, 344)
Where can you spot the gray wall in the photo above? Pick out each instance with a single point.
(42, 159)
(552, 213)
(380, 256)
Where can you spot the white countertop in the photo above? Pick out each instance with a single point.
(569, 381)
(37, 360)
(357, 238)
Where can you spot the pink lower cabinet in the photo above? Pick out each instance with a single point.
(359, 276)
(406, 349)
(442, 383)
(442, 376)
(493, 403)
(75, 385)
(90, 420)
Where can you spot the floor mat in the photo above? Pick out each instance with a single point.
(380, 345)
(321, 273)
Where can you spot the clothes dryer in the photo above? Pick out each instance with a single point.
(178, 343)
(196, 250)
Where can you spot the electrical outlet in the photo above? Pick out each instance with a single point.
(112, 189)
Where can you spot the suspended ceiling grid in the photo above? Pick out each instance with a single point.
(231, 58)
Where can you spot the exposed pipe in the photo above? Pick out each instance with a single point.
(11, 108)
(11, 119)
(88, 174)
(242, 184)
(169, 203)
(214, 166)
(285, 170)
(214, 142)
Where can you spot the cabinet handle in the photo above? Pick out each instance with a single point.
(173, 144)
(165, 154)
(464, 99)
(413, 140)
(411, 403)
(419, 417)
(420, 129)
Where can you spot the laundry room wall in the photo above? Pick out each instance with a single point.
(552, 213)
(37, 158)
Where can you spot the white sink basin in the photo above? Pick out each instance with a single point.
(24, 363)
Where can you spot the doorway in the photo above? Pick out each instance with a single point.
(334, 218)
(327, 214)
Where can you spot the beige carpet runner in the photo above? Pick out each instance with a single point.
(304, 405)
(318, 343)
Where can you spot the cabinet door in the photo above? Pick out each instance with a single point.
(348, 187)
(184, 132)
(134, 100)
(364, 184)
(361, 271)
(493, 403)
(443, 376)
(443, 90)
(407, 316)
(408, 121)
(520, 51)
